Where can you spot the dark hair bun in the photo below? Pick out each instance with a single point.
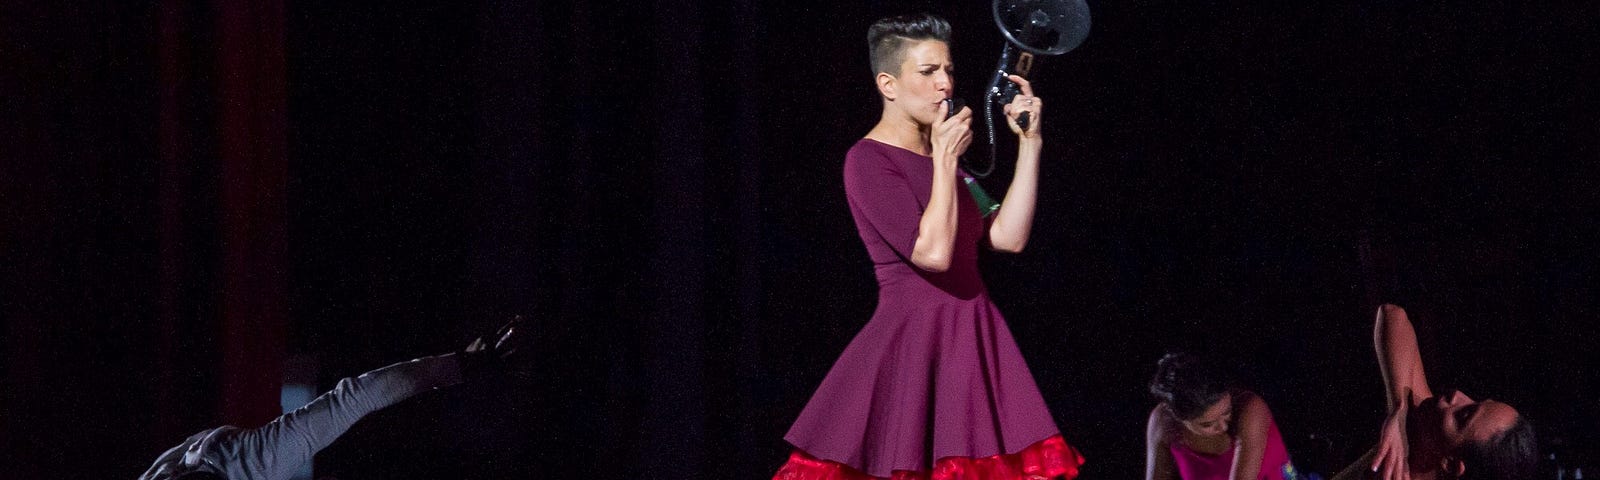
(1187, 383)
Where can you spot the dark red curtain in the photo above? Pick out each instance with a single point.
(252, 115)
(144, 224)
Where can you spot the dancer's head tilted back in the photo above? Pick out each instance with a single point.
(1511, 454)
(1445, 435)
(1485, 439)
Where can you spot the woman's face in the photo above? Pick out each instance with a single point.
(1214, 420)
(1460, 420)
(926, 79)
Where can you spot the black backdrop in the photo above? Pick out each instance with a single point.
(194, 194)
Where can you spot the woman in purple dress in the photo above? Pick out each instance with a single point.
(933, 387)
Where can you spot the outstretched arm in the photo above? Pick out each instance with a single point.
(278, 448)
(1014, 222)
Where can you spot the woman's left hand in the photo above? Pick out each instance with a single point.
(1024, 102)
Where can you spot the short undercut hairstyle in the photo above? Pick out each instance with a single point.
(888, 37)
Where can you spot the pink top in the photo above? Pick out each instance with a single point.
(1194, 465)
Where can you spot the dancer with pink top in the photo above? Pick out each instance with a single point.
(1206, 429)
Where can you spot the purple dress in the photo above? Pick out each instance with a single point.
(935, 372)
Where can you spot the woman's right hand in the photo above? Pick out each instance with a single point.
(951, 136)
(1392, 460)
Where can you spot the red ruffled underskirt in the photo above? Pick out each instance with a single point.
(1051, 458)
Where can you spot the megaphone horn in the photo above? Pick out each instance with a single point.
(1037, 27)
(1043, 27)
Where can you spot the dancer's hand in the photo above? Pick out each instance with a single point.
(495, 352)
(1026, 102)
(1391, 462)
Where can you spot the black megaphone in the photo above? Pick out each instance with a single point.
(1032, 28)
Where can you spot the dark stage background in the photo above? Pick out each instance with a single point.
(200, 199)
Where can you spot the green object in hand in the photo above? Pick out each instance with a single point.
(986, 205)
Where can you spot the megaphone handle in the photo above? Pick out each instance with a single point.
(1008, 92)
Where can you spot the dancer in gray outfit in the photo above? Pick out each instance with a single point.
(279, 449)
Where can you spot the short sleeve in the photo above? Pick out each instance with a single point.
(883, 201)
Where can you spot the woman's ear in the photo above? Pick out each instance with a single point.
(886, 85)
